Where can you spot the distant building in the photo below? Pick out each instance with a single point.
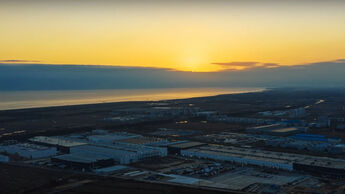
(4, 158)
(315, 137)
(148, 141)
(62, 144)
(110, 138)
(159, 111)
(292, 113)
(275, 129)
(111, 169)
(313, 143)
(298, 112)
(31, 151)
(266, 113)
(164, 132)
(277, 160)
(176, 148)
(245, 120)
(337, 123)
(84, 160)
(122, 152)
(292, 122)
(322, 121)
(206, 113)
(99, 132)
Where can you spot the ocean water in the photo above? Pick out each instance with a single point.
(30, 99)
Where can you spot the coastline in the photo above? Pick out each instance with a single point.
(18, 100)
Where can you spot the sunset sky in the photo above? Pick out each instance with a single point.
(182, 35)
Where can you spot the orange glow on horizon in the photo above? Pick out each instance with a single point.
(179, 37)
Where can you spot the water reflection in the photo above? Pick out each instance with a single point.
(30, 99)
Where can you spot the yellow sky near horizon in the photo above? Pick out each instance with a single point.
(184, 37)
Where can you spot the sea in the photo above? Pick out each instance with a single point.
(34, 99)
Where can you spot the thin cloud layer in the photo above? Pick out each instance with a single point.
(340, 61)
(270, 65)
(241, 64)
(245, 65)
(18, 61)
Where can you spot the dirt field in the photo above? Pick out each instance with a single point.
(30, 180)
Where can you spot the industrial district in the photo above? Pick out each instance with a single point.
(282, 148)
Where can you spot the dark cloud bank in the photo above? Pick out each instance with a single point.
(69, 77)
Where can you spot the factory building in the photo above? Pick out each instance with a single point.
(110, 138)
(143, 151)
(292, 122)
(126, 138)
(99, 132)
(62, 144)
(4, 158)
(275, 129)
(159, 111)
(206, 114)
(148, 141)
(277, 160)
(315, 137)
(246, 120)
(27, 150)
(176, 148)
(105, 149)
(322, 166)
(310, 142)
(297, 112)
(111, 169)
(292, 113)
(84, 160)
(122, 152)
(235, 155)
(337, 123)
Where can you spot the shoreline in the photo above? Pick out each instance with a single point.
(140, 97)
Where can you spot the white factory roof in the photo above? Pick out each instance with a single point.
(271, 156)
(265, 126)
(239, 154)
(57, 141)
(28, 147)
(283, 130)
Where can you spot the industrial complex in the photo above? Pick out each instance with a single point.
(192, 162)
(103, 150)
(280, 148)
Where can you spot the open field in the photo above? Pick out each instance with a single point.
(25, 123)
(25, 179)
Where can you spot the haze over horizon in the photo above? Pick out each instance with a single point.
(87, 77)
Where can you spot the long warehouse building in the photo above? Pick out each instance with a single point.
(122, 152)
(277, 160)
